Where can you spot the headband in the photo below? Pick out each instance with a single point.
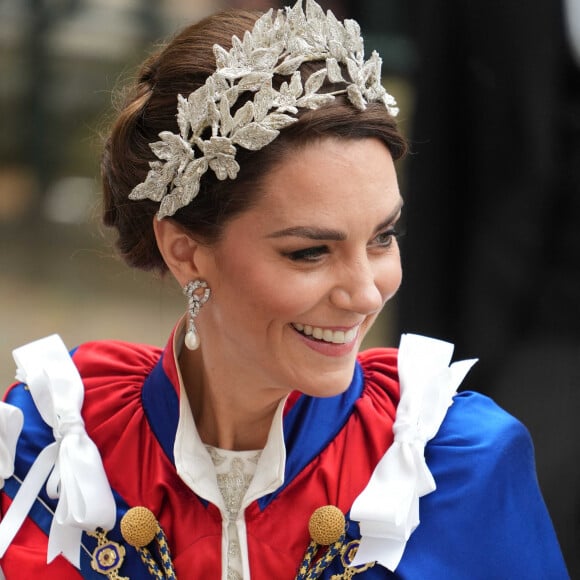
(280, 42)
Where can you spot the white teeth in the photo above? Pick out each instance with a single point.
(338, 337)
(325, 334)
(349, 336)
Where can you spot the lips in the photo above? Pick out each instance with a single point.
(327, 334)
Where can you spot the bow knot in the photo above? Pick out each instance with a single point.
(388, 508)
(68, 425)
(406, 431)
(71, 466)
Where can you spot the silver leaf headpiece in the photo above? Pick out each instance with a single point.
(279, 44)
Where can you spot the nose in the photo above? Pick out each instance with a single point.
(357, 289)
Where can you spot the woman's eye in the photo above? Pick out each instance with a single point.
(385, 239)
(308, 254)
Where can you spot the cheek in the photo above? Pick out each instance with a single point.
(259, 291)
(390, 277)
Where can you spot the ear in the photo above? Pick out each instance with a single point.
(177, 248)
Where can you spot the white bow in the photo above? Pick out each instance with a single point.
(11, 421)
(388, 508)
(71, 464)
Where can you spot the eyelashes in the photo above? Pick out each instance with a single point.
(307, 254)
(382, 240)
(386, 238)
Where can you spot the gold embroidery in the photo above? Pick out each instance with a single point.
(346, 557)
(108, 556)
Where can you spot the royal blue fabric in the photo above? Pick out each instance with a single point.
(161, 405)
(487, 519)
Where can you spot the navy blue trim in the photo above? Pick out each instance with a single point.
(161, 406)
(310, 425)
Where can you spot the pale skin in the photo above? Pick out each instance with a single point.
(317, 250)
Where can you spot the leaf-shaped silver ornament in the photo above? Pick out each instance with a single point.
(295, 86)
(263, 25)
(314, 12)
(263, 101)
(189, 181)
(264, 59)
(222, 56)
(244, 115)
(234, 73)
(171, 147)
(353, 70)
(253, 82)
(227, 121)
(183, 116)
(314, 82)
(254, 136)
(170, 204)
(334, 29)
(238, 48)
(337, 51)
(295, 18)
(289, 66)
(198, 102)
(354, 40)
(247, 43)
(333, 71)
(278, 121)
(314, 101)
(355, 97)
(155, 185)
(215, 146)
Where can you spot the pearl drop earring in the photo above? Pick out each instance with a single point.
(197, 292)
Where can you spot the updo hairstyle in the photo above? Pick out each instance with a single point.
(150, 107)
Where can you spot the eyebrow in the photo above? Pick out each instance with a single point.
(316, 233)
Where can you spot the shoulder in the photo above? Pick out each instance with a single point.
(487, 509)
(112, 359)
(380, 376)
(379, 362)
(106, 361)
(112, 373)
(479, 435)
(479, 448)
(476, 420)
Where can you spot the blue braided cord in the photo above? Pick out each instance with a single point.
(305, 564)
(165, 555)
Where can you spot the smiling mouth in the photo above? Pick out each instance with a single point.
(325, 334)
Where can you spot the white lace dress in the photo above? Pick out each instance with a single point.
(234, 472)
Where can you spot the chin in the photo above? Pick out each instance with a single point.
(328, 388)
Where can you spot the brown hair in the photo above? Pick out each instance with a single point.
(150, 107)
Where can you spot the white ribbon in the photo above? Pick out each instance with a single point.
(388, 508)
(11, 421)
(71, 464)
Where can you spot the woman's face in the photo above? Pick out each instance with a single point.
(298, 279)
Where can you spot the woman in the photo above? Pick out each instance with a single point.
(271, 197)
